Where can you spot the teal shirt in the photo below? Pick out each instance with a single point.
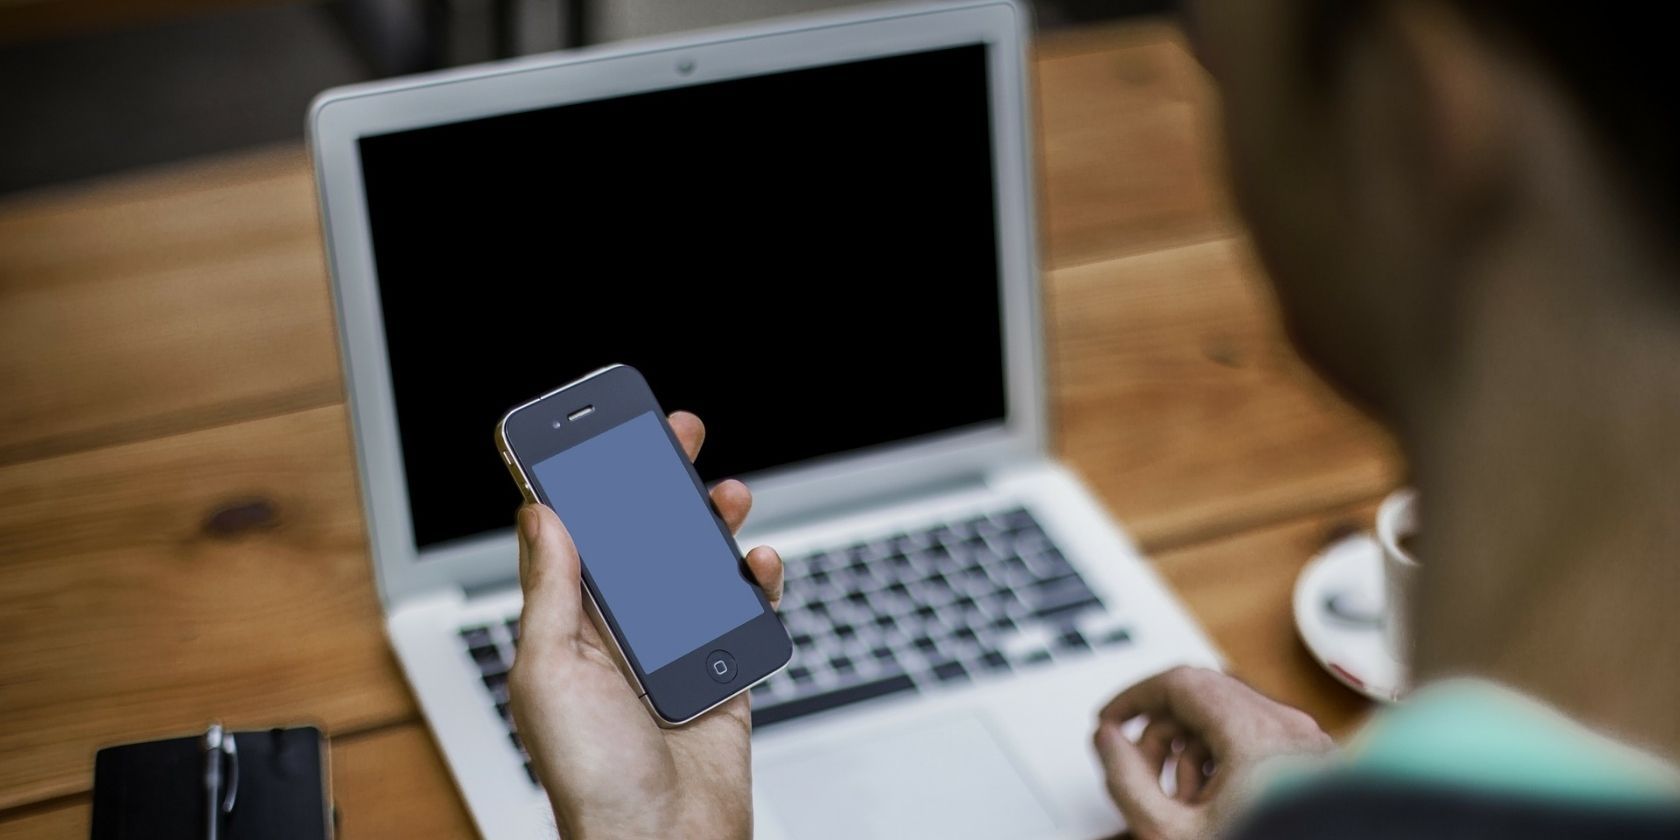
(1479, 735)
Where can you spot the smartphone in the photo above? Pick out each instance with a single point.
(663, 578)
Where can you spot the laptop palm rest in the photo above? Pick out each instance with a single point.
(936, 778)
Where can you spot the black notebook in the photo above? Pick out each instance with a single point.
(156, 789)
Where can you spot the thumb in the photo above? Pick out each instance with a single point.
(549, 575)
(1135, 785)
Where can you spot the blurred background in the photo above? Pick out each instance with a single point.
(93, 87)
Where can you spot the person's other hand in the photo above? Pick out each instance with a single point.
(1216, 728)
(609, 769)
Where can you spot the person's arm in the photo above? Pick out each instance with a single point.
(609, 770)
(1215, 727)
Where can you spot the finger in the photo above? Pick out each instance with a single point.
(733, 501)
(766, 567)
(691, 433)
(1156, 742)
(1187, 695)
(1191, 775)
(1145, 697)
(1135, 785)
(548, 573)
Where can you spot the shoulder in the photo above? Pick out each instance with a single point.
(1338, 806)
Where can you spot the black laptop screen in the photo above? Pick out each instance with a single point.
(807, 260)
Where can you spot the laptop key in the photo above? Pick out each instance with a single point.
(1066, 610)
(1050, 563)
(1024, 644)
(477, 637)
(1065, 593)
(1018, 520)
(771, 715)
(1031, 543)
(947, 671)
(488, 658)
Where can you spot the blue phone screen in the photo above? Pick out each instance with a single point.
(661, 567)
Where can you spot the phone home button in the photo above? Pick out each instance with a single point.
(720, 666)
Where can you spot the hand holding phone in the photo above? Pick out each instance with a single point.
(663, 580)
(607, 765)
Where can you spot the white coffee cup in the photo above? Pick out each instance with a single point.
(1397, 519)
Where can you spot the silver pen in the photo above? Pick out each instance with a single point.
(219, 747)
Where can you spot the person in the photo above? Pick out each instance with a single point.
(1464, 208)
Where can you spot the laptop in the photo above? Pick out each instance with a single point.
(818, 235)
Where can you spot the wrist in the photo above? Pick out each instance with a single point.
(650, 824)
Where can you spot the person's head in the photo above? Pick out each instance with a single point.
(1384, 150)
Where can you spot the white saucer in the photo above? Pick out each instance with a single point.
(1349, 571)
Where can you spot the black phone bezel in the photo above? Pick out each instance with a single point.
(682, 689)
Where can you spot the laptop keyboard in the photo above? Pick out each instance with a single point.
(980, 595)
(973, 597)
(491, 647)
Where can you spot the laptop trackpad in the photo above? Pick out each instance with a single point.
(936, 778)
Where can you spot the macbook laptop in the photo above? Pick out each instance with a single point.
(818, 235)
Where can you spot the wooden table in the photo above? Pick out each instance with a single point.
(180, 537)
